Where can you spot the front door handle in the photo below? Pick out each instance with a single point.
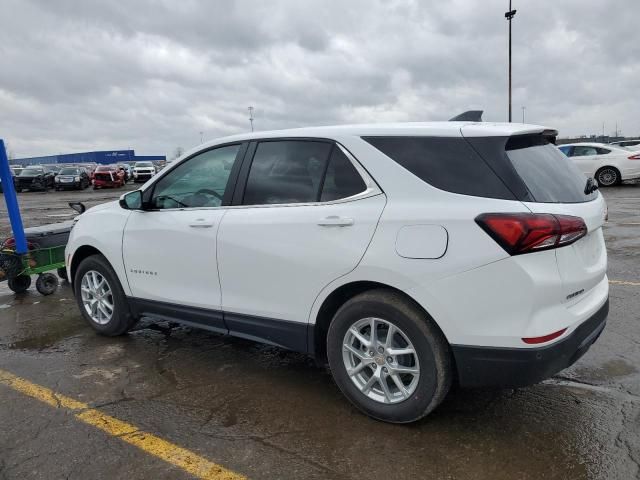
(201, 223)
(335, 221)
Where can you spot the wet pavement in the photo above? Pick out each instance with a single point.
(268, 413)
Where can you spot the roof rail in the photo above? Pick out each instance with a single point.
(468, 116)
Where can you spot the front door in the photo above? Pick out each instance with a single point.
(306, 217)
(169, 248)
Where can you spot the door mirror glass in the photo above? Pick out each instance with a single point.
(132, 200)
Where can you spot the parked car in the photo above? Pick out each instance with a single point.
(608, 164)
(72, 177)
(143, 171)
(34, 178)
(407, 256)
(13, 175)
(128, 171)
(627, 143)
(108, 176)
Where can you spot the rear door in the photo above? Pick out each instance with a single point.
(303, 215)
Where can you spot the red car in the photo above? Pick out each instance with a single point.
(108, 176)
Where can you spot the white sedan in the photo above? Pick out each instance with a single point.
(608, 164)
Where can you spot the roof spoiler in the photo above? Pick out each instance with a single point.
(468, 116)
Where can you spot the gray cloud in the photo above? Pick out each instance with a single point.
(151, 74)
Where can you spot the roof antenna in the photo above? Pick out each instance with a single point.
(468, 116)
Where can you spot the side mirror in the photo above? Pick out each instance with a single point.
(131, 200)
(78, 207)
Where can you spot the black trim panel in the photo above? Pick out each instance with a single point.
(281, 333)
(519, 367)
(193, 316)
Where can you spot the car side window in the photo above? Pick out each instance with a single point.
(286, 171)
(603, 151)
(342, 180)
(579, 151)
(565, 150)
(198, 182)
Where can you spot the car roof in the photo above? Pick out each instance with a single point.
(448, 129)
(586, 144)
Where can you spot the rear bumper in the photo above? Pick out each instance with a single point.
(518, 367)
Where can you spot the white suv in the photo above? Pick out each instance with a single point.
(406, 256)
(143, 171)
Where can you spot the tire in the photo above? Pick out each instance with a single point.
(424, 389)
(19, 284)
(47, 283)
(121, 319)
(62, 273)
(608, 177)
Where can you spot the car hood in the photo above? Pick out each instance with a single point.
(103, 206)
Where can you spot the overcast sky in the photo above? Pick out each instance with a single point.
(151, 75)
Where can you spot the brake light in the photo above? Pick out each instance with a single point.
(520, 233)
(635, 157)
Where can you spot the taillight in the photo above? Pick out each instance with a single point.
(635, 157)
(520, 233)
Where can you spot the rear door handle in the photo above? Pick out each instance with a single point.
(201, 223)
(335, 221)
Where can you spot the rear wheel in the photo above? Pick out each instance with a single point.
(608, 176)
(388, 357)
(100, 297)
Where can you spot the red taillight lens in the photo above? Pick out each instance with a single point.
(520, 233)
(545, 338)
(635, 157)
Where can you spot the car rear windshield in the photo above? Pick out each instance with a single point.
(549, 175)
(528, 168)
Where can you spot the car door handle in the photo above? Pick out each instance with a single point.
(335, 221)
(201, 223)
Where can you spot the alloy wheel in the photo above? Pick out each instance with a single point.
(97, 297)
(380, 360)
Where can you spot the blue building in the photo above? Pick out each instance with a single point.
(102, 157)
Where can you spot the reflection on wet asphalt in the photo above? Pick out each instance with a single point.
(268, 413)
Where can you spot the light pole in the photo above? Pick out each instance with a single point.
(201, 137)
(251, 117)
(509, 16)
(523, 109)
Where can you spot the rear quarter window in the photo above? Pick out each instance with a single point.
(447, 163)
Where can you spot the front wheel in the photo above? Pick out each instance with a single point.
(608, 177)
(100, 297)
(388, 357)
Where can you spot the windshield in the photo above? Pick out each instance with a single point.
(70, 171)
(104, 169)
(144, 164)
(30, 172)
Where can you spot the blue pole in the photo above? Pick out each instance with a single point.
(11, 200)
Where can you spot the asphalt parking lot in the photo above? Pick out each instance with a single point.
(171, 402)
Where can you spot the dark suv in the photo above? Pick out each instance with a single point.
(72, 177)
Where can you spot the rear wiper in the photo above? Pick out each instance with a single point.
(591, 186)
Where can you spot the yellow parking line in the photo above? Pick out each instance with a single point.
(623, 282)
(180, 457)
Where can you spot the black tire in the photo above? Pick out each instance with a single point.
(47, 283)
(19, 284)
(62, 273)
(122, 319)
(431, 347)
(608, 177)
